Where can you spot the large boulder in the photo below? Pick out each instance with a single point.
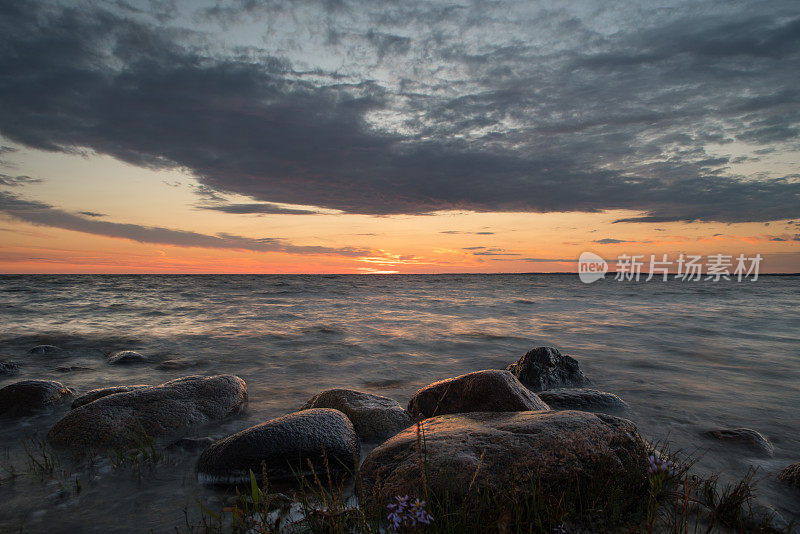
(583, 399)
(546, 368)
(46, 350)
(124, 357)
(746, 438)
(94, 394)
(374, 417)
(791, 475)
(322, 436)
(486, 457)
(29, 396)
(485, 391)
(122, 420)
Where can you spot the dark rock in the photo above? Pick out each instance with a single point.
(546, 368)
(743, 437)
(583, 399)
(30, 396)
(8, 368)
(125, 357)
(510, 453)
(286, 445)
(174, 365)
(46, 350)
(373, 417)
(94, 394)
(190, 444)
(791, 475)
(485, 391)
(172, 409)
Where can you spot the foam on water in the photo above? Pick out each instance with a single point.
(686, 356)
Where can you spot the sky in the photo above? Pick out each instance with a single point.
(338, 136)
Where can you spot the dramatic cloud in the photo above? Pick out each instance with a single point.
(257, 208)
(384, 108)
(45, 215)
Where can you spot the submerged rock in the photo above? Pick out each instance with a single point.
(791, 475)
(485, 391)
(94, 394)
(744, 437)
(125, 357)
(8, 368)
(584, 399)
(546, 368)
(190, 444)
(374, 417)
(285, 445)
(29, 396)
(121, 420)
(507, 454)
(46, 350)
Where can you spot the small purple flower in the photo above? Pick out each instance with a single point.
(561, 529)
(656, 465)
(404, 513)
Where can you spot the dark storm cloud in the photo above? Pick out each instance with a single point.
(496, 108)
(45, 215)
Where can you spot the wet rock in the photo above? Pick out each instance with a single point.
(485, 391)
(286, 445)
(374, 417)
(190, 444)
(546, 368)
(46, 350)
(94, 394)
(29, 396)
(765, 518)
(743, 437)
(122, 357)
(791, 475)
(174, 365)
(510, 453)
(172, 409)
(583, 399)
(8, 368)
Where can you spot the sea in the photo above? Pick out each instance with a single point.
(687, 356)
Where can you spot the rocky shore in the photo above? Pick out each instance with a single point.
(533, 432)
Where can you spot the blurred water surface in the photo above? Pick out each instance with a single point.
(687, 356)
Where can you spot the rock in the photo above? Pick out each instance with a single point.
(173, 365)
(46, 350)
(125, 357)
(583, 399)
(510, 453)
(190, 444)
(744, 437)
(286, 445)
(94, 394)
(8, 368)
(765, 518)
(485, 391)
(791, 475)
(374, 417)
(120, 421)
(546, 368)
(30, 396)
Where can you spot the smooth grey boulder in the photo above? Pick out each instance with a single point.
(286, 445)
(374, 417)
(509, 453)
(486, 391)
(94, 394)
(791, 475)
(546, 368)
(8, 368)
(121, 357)
(583, 399)
(30, 396)
(743, 437)
(46, 350)
(122, 420)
